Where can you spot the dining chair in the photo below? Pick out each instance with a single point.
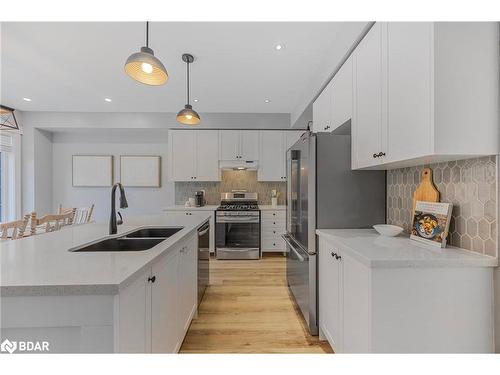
(17, 228)
(51, 222)
(82, 214)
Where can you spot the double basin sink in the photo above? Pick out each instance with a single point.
(138, 240)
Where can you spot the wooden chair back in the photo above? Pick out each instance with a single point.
(50, 223)
(17, 228)
(82, 215)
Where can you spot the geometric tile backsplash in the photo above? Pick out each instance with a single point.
(231, 180)
(470, 185)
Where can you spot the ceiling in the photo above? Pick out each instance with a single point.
(73, 67)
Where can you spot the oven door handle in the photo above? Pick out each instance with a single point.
(292, 247)
(223, 219)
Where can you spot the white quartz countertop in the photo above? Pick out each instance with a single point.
(368, 247)
(209, 207)
(42, 264)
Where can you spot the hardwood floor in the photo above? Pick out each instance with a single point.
(247, 309)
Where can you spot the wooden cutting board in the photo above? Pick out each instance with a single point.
(426, 190)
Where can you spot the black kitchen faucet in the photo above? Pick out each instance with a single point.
(113, 223)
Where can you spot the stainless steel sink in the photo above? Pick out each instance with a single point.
(122, 244)
(138, 240)
(153, 232)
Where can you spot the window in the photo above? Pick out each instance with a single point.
(9, 144)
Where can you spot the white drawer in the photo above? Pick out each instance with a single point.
(276, 244)
(273, 215)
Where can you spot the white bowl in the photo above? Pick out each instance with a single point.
(388, 230)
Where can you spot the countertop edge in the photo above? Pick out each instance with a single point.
(89, 289)
(483, 262)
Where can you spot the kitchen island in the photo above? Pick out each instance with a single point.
(120, 301)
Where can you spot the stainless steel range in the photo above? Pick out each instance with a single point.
(237, 226)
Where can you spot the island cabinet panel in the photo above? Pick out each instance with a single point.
(134, 312)
(398, 307)
(164, 327)
(154, 310)
(187, 300)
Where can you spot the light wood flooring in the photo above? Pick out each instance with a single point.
(247, 309)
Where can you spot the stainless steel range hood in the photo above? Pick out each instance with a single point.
(239, 164)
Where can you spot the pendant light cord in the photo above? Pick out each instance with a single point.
(187, 81)
(147, 34)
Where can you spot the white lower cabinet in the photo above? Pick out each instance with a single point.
(402, 309)
(343, 300)
(164, 294)
(153, 312)
(273, 225)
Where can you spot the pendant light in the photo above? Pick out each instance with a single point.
(187, 115)
(145, 67)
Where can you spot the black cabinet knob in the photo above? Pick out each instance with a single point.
(152, 279)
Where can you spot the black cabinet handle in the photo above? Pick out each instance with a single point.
(381, 154)
(333, 254)
(375, 156)
(152, 279)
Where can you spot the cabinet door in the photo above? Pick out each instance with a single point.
(188, 285)
(330, 295)
(356, 306)
(134, 316)
(342, 95)
(367, 121)
(409, 89)
(229, 144)
(164, 321)
(249, 145)
(291, 137)
(207, 155)
(182, 155)
(322, 111)
(272, 156)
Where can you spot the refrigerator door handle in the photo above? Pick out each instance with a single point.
(293, 246)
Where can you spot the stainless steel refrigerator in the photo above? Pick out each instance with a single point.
(324, 193)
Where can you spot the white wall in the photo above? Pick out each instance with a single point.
(140, 200)
(37, 177)
(43, 171)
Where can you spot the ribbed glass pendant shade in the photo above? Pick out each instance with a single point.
(188, 116)
(146, 68)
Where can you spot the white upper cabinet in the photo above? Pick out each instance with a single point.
(182, 155)
(409, 61)
(342, 95)
(249, 145)
(207, 155)
(322, 111)
(239, 145)
(425, 92)
(272, 154)
(367, 117)
(333, 107)
(272, 158)
(194, 155)
(229, 144)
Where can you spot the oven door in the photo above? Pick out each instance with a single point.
(237, 237)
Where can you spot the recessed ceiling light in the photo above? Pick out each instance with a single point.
(195, 100)
(108, 100)
(27, 99)
(267, 101)
(279, 47)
